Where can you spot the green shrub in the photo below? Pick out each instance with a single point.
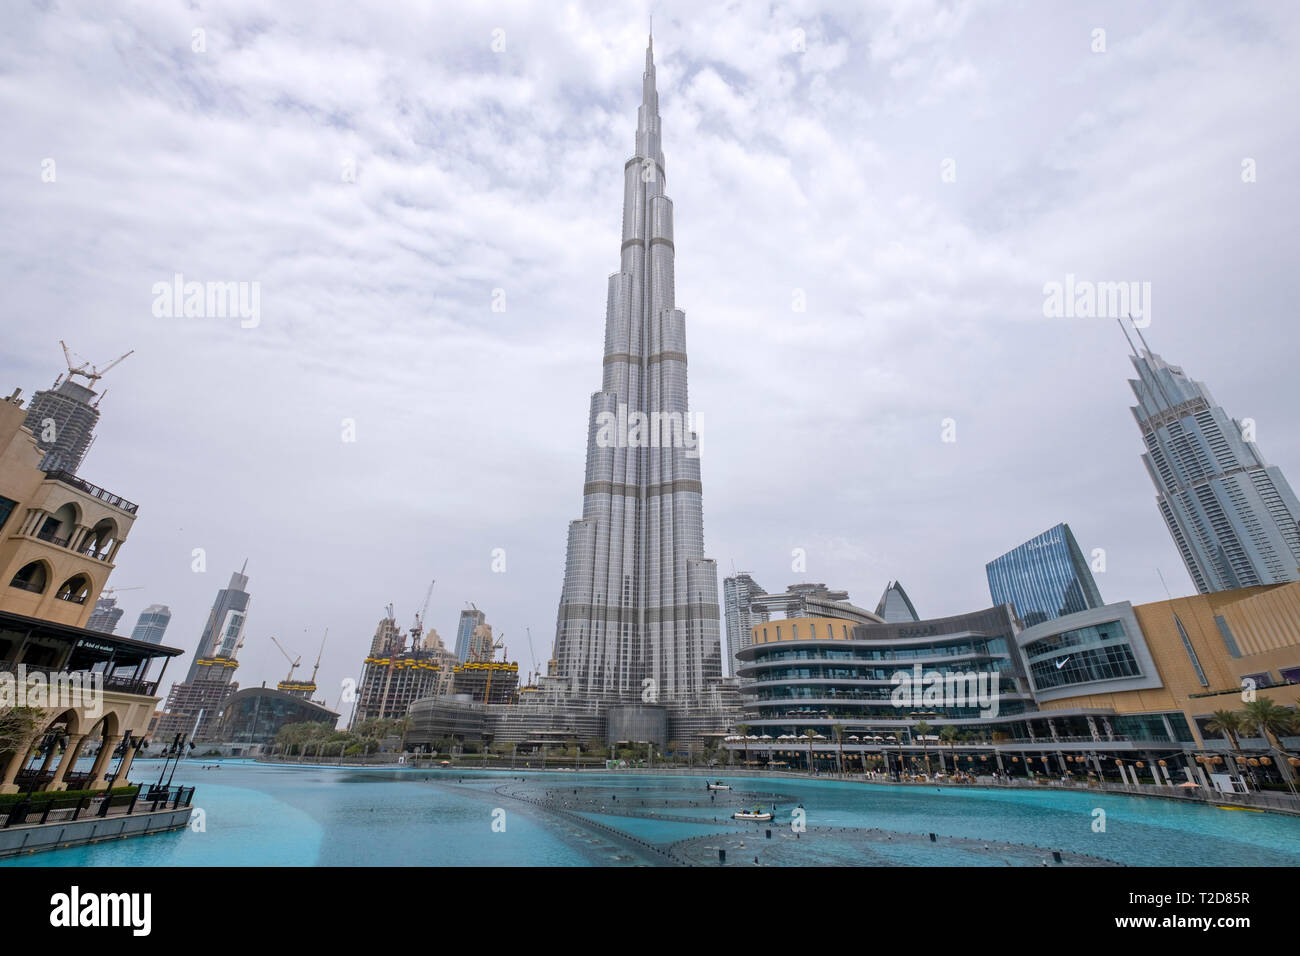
(41, 797)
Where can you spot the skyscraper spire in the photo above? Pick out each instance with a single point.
(638, 615)
(648, 135)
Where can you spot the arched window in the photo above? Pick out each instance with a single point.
(99, 543)
(31, 577)
(75, 590)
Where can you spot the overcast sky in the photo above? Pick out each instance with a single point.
(489, 160)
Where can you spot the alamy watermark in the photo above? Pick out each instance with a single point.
(179, 299)
(1084, 299)
(624, 429)
(917, 688)
(59, 689)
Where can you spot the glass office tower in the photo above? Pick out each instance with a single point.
(1044, 578)
(152, 624)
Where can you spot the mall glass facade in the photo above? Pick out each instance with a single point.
(1044, 578)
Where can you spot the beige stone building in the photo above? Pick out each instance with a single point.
(59, 539)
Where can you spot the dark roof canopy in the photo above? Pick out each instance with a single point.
(88, 645)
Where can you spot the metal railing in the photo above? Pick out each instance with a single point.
(114, 682)
(52, 538)
(51, 806)
(68, 478)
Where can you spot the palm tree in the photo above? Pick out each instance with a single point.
(1226, 722)
(811, 732)
(922, 731)
(838, 731)
(949, 735)
(1230, 723)
(1273, 722)
(743, 730)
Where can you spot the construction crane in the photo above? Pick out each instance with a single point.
(418, 627)
(531, 654)
(492, 656)
(319, 654)
(293, 664)
(108, 591)
(94, 374)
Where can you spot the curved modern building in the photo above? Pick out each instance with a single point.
(817, 673)
(255, 715)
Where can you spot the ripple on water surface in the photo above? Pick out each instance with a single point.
(258, 814)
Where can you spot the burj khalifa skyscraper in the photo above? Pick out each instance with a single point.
(638, 616)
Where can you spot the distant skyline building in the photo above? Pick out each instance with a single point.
(397, 672)
(1233, 516)
(105, 616)
(737, 591)
(470, 618)
(812, 601)
(638, 610)
(194, 706)
(480, 644)
(1044, 578)
(895, 607)
(152, 623)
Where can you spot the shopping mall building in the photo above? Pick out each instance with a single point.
(1114, 690)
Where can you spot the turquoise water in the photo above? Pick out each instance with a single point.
(254, 814)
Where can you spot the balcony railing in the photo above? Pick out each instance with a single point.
(118, 683)
(32, 586)
(72, 598)
(68, 478)
(52, 538)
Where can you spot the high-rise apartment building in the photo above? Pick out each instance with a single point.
(639, 604)
(152, 624)
(1044, 578)
(1233, 516)
(194, 706)
(470, 618)
(737, 591)
(105, 615)
(63, 420)
(394, 674)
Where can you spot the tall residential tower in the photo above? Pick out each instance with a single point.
(639, 605)
(194, 706)
(740, 618)
(1232, 515)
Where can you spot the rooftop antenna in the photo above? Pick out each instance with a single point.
(531, 653)
(1154, 372)
(90, 373)
(1120, 323)
(1165, 586)
(1138, 329)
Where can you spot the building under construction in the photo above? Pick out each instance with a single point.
(194, 705)
(487, 682)
(62, 418)
(395, 674)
